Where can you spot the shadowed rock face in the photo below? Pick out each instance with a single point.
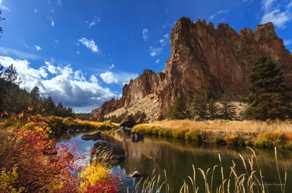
(204, 57)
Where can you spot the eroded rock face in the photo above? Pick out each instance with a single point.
(204, 57)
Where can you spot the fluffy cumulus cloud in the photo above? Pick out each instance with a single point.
(110, 77)
(63, 83)
(90, 44)
(276, 12)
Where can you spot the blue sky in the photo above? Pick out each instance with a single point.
(82, 52)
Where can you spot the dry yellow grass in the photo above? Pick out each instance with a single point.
(224, 126)
(96, 123)
(222, 131)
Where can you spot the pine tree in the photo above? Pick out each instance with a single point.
(213, 109)
(268, 92)
(178, 110)
(228, 111)
(198, 107)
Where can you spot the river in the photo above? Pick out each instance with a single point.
(176, 159)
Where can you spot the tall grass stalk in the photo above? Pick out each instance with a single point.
(241, 177)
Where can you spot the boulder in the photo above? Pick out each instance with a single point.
(108, 152)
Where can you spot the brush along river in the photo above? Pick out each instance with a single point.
(176, 159)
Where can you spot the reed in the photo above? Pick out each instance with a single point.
(243, 177)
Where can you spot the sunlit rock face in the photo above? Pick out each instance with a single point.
(203, 58)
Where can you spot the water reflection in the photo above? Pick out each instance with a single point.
(176, 159)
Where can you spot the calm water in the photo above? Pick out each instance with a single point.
(176, 159)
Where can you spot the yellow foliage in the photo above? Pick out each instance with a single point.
(92, 174)
(7, 181)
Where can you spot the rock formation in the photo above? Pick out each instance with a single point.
(216, 60)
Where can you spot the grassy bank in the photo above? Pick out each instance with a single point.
(30, 162)
(237, 133)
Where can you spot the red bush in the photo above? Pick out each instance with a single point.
(104, 187)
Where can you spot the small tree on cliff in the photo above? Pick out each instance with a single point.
(268, 92)
(178, 110)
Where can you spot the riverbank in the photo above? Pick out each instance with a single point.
(235, 133)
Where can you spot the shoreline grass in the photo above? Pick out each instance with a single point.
(242, 177)
(235, 133)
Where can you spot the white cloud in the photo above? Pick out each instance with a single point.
(155, 51)
(93, 79)
(94, 22)
(38, 48)
(218, 14)
(279, 16)
(145, 34)
(90, 44)
(51, 68)
(18, 53)
(163, 41)
(268, 4)
(3, 7)
(112, 66)
(63, 83)
(53, 23)
(110, 77)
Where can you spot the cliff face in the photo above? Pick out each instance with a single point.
(204, 58)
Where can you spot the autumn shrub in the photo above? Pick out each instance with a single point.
(109, 186)
(270, 139)
(36, 171)
(93, 175)
(8, 181)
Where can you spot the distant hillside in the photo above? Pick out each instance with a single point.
(204, 58)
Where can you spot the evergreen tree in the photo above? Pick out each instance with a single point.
(178, 110)
(212, 109)
(49, 106)
(228, 110)
(268, 92)
(198, 107)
